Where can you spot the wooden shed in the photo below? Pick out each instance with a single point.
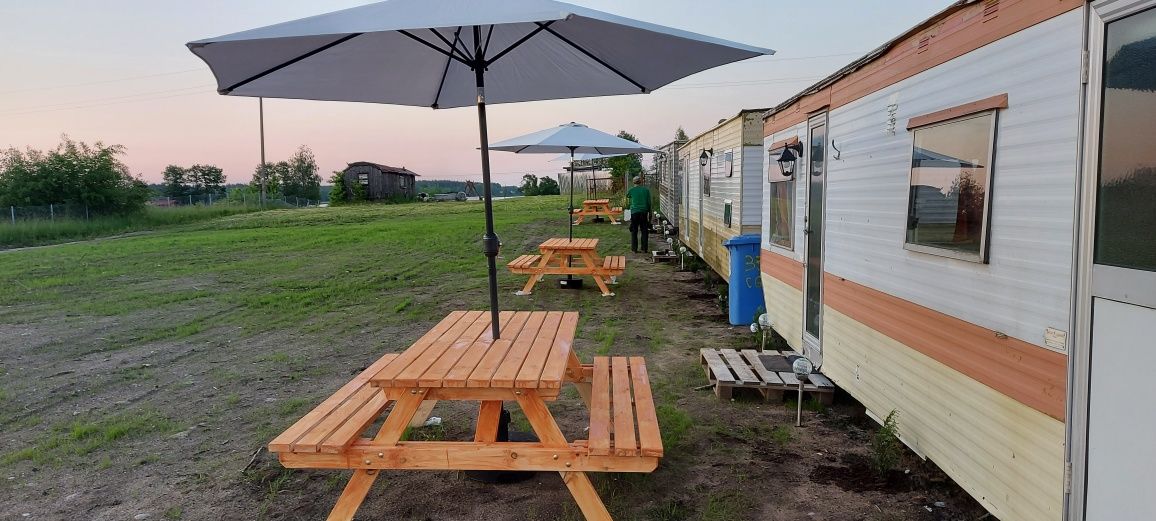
(381, 181)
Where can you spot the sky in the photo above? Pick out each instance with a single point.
(117, 71)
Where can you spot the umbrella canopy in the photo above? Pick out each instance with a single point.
(924, 158)
(585, 157)
(455, 53)
(1133, 67)
(424, 53)
(573, 138)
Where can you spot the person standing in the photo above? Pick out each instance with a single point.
(639, 203)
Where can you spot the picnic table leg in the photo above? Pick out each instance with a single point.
(534, 278)
(353, 495)
(547, 430)
(489, 416)
(358, 487)
(588, 258)
(423, 413)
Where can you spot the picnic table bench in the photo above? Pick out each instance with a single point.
(558, 258)
(459, 360)
(596, 208)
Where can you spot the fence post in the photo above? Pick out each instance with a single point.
(51, 212)
(13, 208)
(210, 199)
(190, 199)
(86, 217)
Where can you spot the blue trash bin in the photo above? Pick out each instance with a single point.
(746, 284)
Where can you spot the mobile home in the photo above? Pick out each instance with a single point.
(945, 216)
(723, 197)
(669, 173)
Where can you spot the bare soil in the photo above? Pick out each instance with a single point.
(223, 394)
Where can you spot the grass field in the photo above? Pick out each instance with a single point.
(142, 374)
(43, 231)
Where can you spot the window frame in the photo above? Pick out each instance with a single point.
(772, 154)
(728, 159)
(983, 256)
(705, 171)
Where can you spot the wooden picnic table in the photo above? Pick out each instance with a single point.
(561, 256)
(595, 208)
(459, 360)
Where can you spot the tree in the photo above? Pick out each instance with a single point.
(548, 186)
(337, 195)
(680, 135)
(300, 177)
(205, 179)
(272, 174)
(175, 181)
(623, 168)
(529, 185)
(73, 173)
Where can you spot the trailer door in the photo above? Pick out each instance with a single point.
(1113, 387)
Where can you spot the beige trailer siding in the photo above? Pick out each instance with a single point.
(733, 136)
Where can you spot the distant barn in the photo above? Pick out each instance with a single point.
(381, 181)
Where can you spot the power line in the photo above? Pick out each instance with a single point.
(101, 82)
(105, 102)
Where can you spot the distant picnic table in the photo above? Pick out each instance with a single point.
(560, 256)
(596, 208)
(459, 360)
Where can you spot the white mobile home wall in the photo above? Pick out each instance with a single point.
(962, 357)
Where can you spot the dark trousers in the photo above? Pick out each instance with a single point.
(639, 222)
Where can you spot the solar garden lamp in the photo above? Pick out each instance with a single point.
(802, 368)
(682, 258)
(764, 325)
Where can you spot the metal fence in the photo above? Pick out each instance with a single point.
(81, 212)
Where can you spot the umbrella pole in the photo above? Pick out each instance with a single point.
(571, 220)
(490, 242)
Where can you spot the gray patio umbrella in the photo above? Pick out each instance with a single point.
(574, 138)
(456, 53)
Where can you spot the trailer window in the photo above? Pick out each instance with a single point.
(782, 203)
(948, 202)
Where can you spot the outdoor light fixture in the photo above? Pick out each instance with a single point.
(704, 159)
(789, 158)
(682, 258)
(764, 324)
(754, 327)
(802, 368)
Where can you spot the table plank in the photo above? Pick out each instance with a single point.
(385, 376)
(408, 377)
(600, 408)
(555, 370)
(482, 375)
(478, 333)
(512, 323)
(531, 372)
(507, 372)
(625, 443)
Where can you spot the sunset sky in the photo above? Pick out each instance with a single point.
(118, 71)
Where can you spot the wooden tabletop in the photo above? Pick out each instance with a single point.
(596, 201)
(569, 244)
(460, 351)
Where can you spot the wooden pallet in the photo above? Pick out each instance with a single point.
(728, 370)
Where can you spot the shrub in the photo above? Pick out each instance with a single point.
(885, 445)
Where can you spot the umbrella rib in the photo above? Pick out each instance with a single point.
(591, 55)
(541, 27)
(434, 47)
(489, 34)
(446, 70)
(453, 46)
(267, 72)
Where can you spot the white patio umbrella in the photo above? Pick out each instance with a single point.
(456, 53)
(572, 138)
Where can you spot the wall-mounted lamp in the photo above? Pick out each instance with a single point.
(704, 158)
(789, 158)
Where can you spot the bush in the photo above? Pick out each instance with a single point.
(885, 445)
(337, 195)
(74, 173)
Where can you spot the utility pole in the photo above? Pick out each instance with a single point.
(264, 174)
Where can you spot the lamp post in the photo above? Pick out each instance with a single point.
(764, 325)
(802, 368)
